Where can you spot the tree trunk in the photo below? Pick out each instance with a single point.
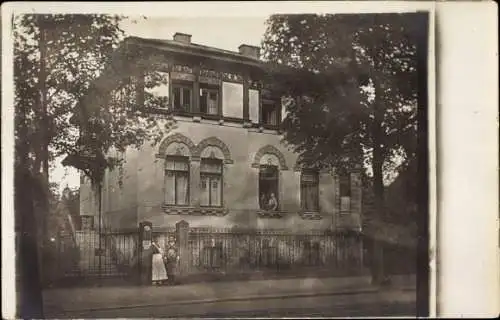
(43, 148)
(377, 268)
(30, 305)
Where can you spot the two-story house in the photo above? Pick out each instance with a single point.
(224, 163)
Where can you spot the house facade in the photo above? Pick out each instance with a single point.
(223, 164)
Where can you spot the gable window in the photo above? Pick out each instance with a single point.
(211, 182)
(345, 193)
(183, 94)
(269, 112)
(309, 190)
(209, 100)
(177, 181)
(268, 187)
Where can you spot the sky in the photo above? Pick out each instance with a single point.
(222, 32)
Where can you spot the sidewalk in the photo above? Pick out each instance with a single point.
(57, 301)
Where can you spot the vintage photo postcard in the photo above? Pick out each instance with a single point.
(225, 159)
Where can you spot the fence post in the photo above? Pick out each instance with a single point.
(145, 252)
(182, 233)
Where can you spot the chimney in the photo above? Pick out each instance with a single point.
(249, 51)
(182, 37)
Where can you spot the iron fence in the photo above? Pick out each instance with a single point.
(115, 254)
(230, 251)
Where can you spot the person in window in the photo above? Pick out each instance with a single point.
(272, 204)
(159, 273)
(263, 201)
(172, 259)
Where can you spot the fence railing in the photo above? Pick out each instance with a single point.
(210, 250)
(235, 251)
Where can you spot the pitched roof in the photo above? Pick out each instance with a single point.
(192, 49)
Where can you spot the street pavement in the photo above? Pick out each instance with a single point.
(393, 303)
(263, 298)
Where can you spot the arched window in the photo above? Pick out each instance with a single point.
(269, 187)
(345, 192)
(309, 190)
(211, 174)
(177, 180)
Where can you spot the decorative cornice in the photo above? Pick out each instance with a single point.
(270, 214)
(227, 76)
(182, 68)
(176, 137)
(310, 215)
(269, 149)
(214, 142)
(197, 211)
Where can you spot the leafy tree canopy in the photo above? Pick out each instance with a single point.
(361, 90)
(58, 59)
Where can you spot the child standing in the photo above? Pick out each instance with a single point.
(172, 257)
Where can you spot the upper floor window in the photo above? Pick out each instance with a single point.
(345, 193)
(211, 182)
(177, 180)
(309, 190)
(183, 96)
(268, 187)
(209, 99)
(269, 112)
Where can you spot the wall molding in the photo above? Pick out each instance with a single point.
(270, 149)
(214, 142)
(173, 138)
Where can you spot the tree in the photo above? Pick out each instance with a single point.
(355, 77)
(57, 58)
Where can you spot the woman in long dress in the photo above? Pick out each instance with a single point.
(159, 272)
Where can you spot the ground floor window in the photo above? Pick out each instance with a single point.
(309, 191)
(177, 181)
(211, 182)
(268, 187)
(345, 193)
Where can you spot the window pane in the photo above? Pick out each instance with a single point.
(169, 187)
(215, 191)
(204, 191)
(182, 183)
(211, 166)
(181, 165)
(345, 204)
(309, 177)
(186, 98)
(177, 98)
(273, 117)
(212, 103)
(170, 164)
(203, 101)
(268, 172)
(310, 197)
(268, 188)
(345, 185)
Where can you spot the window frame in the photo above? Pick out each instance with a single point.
(345, 191)
(210, 88)
(210, 175)
(182, 85)
(309, 184)
(269, 104)
(175, 172)
(345, 181)
(277, 169)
